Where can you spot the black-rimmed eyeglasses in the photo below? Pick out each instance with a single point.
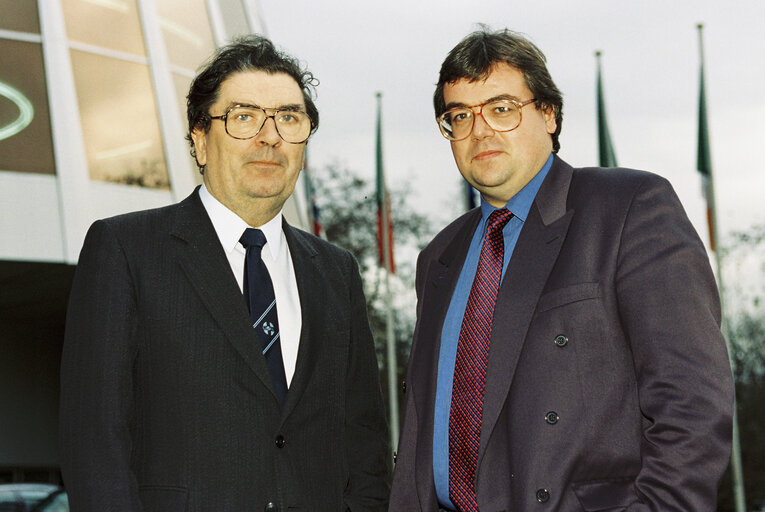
(245, 122)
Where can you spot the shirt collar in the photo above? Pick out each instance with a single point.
(520, 203)
(229, 226)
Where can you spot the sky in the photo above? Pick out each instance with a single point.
(650, 62)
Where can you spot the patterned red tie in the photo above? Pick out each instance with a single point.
(470, 367)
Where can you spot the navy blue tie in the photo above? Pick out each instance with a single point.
(260, 299)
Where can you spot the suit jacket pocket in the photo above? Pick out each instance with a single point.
(161, 498)
(567, 295)
(606, 495)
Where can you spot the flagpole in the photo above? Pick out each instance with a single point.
(705, 167)
(391, 339)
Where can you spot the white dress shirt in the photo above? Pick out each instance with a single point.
(276, 255)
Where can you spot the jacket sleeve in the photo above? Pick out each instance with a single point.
(670, 310)
(96, 379)
(367, 447)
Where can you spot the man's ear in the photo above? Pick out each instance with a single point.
(550, 122)
(199, 137)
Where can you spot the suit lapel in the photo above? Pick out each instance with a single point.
(535, 254)
(204, 262)
(308, 275)
(437, 288)
(442, 276)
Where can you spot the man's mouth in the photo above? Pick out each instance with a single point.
(264, 162)
(486, 155)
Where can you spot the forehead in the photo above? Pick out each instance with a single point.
(503, 79)
(259, 88)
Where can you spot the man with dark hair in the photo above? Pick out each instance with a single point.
(216, 358)
(567, 354)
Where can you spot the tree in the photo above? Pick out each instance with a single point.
(746, 334)
(349, 217)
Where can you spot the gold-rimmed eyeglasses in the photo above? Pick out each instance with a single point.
(245, 122)
(501, 115)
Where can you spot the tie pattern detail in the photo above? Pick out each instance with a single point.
(470, 366)
(261, 301)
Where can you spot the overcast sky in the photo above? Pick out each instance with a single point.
(650, 71)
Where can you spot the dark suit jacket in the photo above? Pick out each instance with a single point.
(608, 385)
(167, 404)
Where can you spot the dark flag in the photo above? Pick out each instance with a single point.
(605, 147)
(384, 220)
(703, 158)
(470, 196)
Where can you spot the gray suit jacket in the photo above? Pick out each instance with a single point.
(608, 385)
(167, 404)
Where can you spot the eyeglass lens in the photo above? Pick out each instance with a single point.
(245, 122)
(500, 115)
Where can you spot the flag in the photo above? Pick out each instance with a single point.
(470, 199)
(313, 208)
(703, 158)
(384, 220)
(310, 194)
(605, 148)
(704, 166)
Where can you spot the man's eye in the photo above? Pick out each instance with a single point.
(243, 117)
(287, 117)
(460, 117)
(502, 109)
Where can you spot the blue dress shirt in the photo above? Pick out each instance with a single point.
(519, 205)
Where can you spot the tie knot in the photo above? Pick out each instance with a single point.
(253, 238)
(498, 219)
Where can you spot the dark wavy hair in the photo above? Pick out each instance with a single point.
(249, 53)
(474, 57)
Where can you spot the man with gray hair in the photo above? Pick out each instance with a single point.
(567, 354)
(216, 358)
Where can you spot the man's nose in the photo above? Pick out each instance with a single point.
(268, 133)
(481, 128)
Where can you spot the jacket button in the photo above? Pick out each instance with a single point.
(543, 495)
(403, 386)
(271, 507)
(552, 417)
(561, 340)
(279, 442)
(395, 456)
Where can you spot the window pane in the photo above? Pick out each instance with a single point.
(112, 24)
(25, 134)
(119, 121)
(182, 84)
(186, 30)
(19, 15)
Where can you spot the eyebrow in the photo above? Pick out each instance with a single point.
(457, 104)
(292, 107)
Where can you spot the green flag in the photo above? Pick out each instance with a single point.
(605, 148)
(384, 221)
(703, 158)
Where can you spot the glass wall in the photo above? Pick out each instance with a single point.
(186, 32)
(25, 134)
(122, 138)
(116, 98)
(189, 42)
(118, 107)
(19, 16)
(109, 24)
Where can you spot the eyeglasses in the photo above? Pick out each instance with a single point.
(501, 116)
(245, 122)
